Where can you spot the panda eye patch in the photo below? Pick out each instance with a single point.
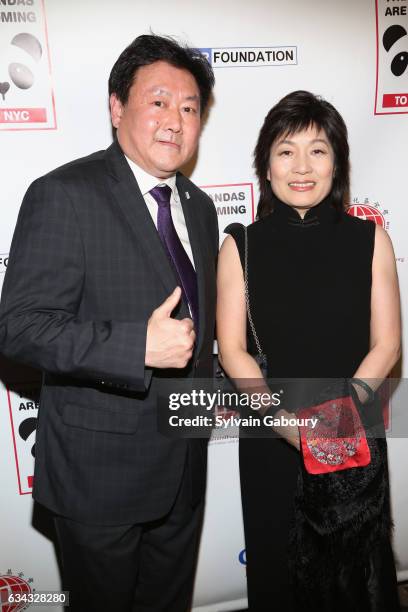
(21, 75)
(399, 63)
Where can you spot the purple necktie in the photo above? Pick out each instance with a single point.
(175, 250)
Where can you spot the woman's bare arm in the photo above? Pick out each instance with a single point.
(385, 324)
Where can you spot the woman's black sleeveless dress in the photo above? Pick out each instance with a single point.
(310, 291)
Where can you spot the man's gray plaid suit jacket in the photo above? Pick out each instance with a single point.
(86, 270)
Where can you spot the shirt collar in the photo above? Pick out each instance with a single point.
(322, 213)
(147, 181)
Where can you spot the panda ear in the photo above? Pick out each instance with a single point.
(29, 43)
(392, 34)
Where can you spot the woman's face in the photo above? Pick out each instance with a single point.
(301, 168)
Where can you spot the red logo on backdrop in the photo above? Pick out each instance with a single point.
(369, 212)
(11, 584)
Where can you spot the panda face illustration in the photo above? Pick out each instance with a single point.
(393, 36)
(21, 73)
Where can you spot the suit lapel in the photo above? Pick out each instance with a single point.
(133, 206)
(196, 234)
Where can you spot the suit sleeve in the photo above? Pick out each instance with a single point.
(42, 292)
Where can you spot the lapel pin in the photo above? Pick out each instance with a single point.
(187, 195)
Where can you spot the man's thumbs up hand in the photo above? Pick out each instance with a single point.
(166, 308)
(169, 342)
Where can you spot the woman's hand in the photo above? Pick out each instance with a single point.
(290, 433)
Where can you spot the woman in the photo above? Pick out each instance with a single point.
(325, 303)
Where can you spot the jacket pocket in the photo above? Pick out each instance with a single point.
(99, 419)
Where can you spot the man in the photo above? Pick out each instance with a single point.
(110, 289)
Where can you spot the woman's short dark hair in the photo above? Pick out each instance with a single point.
(150, 48)
(295, 112)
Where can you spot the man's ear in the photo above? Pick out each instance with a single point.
(116, 110)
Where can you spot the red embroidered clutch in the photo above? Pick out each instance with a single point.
(337, 440)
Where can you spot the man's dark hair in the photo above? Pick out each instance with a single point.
(150, 48)
(295, 112)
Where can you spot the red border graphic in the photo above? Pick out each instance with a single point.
(386, 96)
(30, 478)
(54, 127)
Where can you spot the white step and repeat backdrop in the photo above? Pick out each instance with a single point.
(55, 57)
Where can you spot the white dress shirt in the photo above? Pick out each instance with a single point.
(146, 182)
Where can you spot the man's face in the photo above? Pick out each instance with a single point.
(159, 126)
